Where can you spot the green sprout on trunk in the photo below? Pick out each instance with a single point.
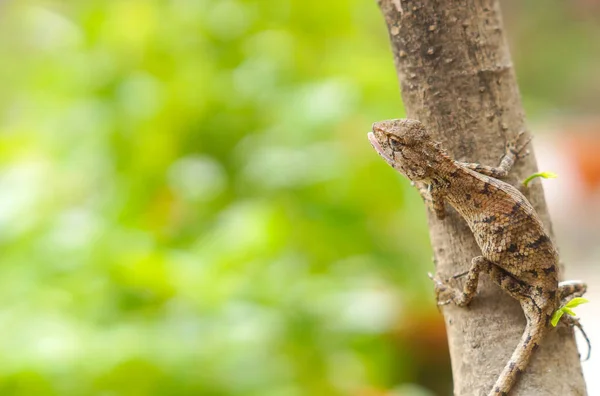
(567, 309)
(544, 175)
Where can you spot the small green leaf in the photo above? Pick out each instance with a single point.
(548, 175)
(568, 310)
(544, 175)
(556, 316)
(576, 302)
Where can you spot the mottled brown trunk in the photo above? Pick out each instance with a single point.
(457, 78)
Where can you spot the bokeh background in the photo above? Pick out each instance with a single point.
(189, 204)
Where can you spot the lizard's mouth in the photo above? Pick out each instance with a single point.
(378, 148)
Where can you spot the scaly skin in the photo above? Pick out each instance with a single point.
(516, 251)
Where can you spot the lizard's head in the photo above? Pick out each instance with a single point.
(406, 146)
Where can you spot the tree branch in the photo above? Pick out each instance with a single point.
(457, 78)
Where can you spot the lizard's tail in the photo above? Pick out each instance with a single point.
(532, 336)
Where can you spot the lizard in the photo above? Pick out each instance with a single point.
(516, 251)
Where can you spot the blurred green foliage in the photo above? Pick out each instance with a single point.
(189, 204)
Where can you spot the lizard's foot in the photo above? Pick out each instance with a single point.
(574, 322)
(462, 297)
(444, 294)
(516, 150)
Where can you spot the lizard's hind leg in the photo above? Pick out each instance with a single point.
(463, 297)
(511, 285)
(568, 290)
(574, 322)
(536, 323)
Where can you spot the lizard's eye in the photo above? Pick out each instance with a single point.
(395, 143)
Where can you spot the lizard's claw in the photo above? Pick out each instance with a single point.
(459, 275)
(574, 322)
(438, 283)
(518, 152)
(440, 288)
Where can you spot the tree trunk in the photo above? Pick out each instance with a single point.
(457, 78)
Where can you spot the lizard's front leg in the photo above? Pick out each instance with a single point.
(433, 198)
(511, 155)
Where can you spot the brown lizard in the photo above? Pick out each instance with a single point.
(517, 252)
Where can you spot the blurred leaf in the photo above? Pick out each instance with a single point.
(544, 175)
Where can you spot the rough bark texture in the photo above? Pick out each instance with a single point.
(457, 78)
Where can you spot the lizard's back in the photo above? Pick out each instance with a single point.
(505, 226)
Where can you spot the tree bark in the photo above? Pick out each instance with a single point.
(457, 78)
